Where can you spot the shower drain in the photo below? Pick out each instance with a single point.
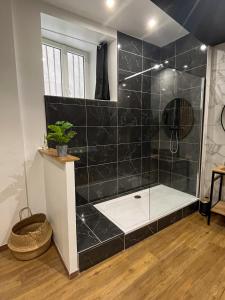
(137, 197)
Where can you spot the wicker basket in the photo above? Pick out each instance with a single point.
(30, 237)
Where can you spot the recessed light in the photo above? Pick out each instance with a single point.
(166, 62)
(124, 84)
(185, 66)
(119, 46)
(203, 47)
(110, 3)
(152, 23)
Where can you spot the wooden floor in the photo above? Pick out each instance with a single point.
(184, 261)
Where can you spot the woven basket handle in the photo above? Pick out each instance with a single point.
(22, 210)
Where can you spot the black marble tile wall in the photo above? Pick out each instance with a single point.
(183, 79)
(123, 145)
(138, 125)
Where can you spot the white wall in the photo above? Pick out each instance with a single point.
(12, 182)
(214, 136)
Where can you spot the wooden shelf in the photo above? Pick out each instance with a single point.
(219, 169)
(53, 153)
(219, 208)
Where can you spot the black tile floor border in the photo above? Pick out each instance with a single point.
(103, 244)
(103, 251)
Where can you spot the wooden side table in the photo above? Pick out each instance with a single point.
(219, 206)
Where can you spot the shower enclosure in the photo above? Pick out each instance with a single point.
(139, 165)
(170, 187)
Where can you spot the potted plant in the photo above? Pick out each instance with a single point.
(61, 133)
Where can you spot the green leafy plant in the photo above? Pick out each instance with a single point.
(61, 132)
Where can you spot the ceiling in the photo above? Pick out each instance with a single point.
(128, 16)
(69, 34)
(203, 18)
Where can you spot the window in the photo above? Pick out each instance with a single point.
(52, 70)
(76, 75)
(64, 70)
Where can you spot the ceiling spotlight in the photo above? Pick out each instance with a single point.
(110, 3)
(152, 23)
(124, 84)
(119, 46)
(173, 70)
(166, 62)
(185, 66)
(203, 47)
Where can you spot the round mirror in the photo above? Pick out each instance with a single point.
(178, 118)
(223, 118)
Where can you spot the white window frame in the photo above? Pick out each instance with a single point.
(64, 64)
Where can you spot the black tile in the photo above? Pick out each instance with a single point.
(169, 63)
(187, 43)
(129, 134)
(167, 51)
(129, 43)
(150, 178)
(129, 117)
(164, 178)
(166, 164)
(149, 164)
(101, 135)
(150, 133)
(147, 84)
(129, 167)
(129, 99)
(151, 51)
(74, 114)
(85, 238)
(102, 154)
(198, 71)
(130, 62)
(188, 151)
(146, 149)
(102, 227)
(184, 184)
(148, 64)
(150, 101)
(101, 116)
(91, 257)
(80, 139)
(170, 219)
(188, 81)
(99, 103)
(81, 195)
(101, 173)
(86, 210)
(140, 234)
(192, 59)
(129, 151)
(190, 209)
(81, 177)
(102, 191)
(80, 152)
(132, 84)
(193, 95)
(150, 117)
(129, 183)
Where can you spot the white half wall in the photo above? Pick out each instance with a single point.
(60, 195)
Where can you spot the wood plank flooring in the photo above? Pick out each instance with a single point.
(184, 261)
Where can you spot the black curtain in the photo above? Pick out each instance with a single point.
(102, 81)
